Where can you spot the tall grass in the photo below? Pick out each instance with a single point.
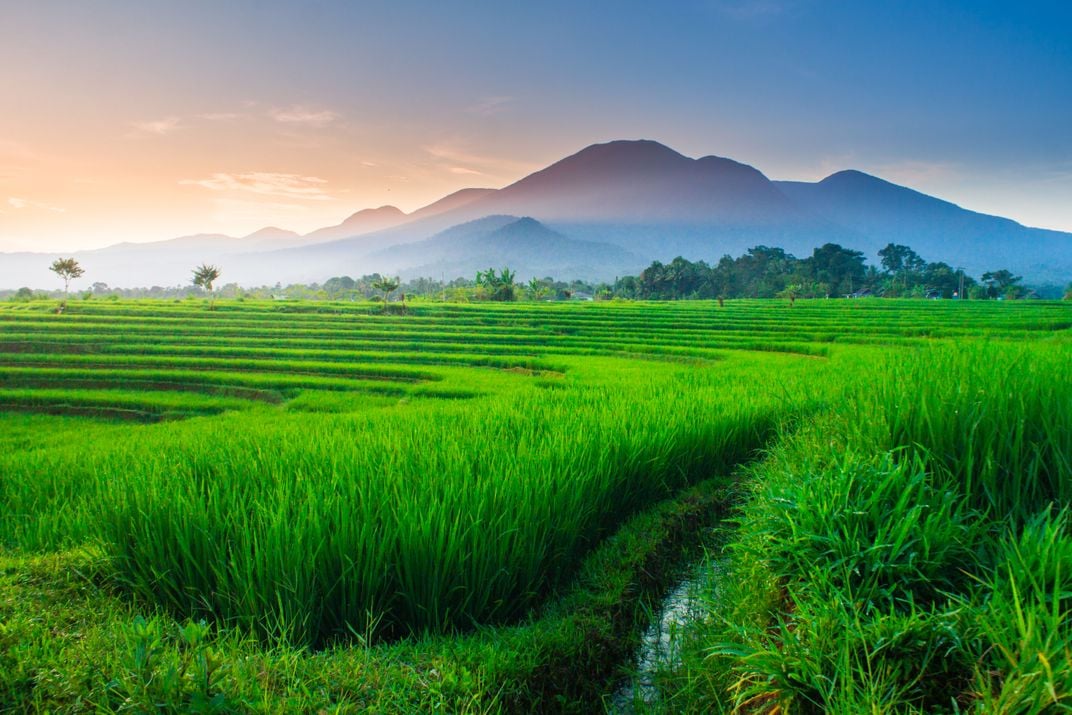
(904, 543)
(993, 421)
(408, 522)
(908, 552)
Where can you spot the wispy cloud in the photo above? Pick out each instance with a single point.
(304, 116)
(220, 116)
(487, 106)
(19, 203)
(160, 127)
(458, 160)
(288, 186)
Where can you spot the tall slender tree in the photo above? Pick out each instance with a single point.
(68, 269)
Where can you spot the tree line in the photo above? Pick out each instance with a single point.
(832, 271)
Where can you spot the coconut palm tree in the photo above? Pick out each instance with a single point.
(204, 276)
(388, 286)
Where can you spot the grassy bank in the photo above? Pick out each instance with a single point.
(910, 552)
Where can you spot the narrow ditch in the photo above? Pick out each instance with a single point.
(686, 602)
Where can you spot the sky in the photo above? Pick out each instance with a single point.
(141, 120)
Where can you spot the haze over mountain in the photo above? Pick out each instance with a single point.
(606, 210)
(497, 241)
(364, 221)
(881, 212)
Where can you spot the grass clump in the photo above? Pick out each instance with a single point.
(907, 553)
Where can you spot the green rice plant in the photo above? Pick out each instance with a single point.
(852, 581)
(994, 421)
(1025, 621)
(829, 656)
(900, 439)
(873, 531)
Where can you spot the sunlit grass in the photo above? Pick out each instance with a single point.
(331, 477)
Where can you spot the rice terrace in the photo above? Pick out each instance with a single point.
(703, 356)
(476, 507)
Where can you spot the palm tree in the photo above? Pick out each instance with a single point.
(67, 269)
(204, 276)
(388, 286)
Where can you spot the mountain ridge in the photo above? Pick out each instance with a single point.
(638, 197)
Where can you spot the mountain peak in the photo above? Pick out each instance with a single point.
(269, 233)
(850, 177)
(525, 222)
(623, 155)
(359, 222)
(863, 186)
(383, 211)
(642, 182)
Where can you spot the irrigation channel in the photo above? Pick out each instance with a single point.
(687, 601)
(238, 509)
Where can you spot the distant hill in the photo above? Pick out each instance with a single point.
(272, 234)
(881, 212)
(525, 244)
(607, 209)
(364, 221)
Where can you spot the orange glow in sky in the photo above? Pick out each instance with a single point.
(135, 121)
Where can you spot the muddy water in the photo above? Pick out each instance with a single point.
(658, 647)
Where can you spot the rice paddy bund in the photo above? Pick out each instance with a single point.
(270, 506)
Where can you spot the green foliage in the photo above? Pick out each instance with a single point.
(67, 269)
(994, 422)
(1002, 284)
(1026, 620)
(908, 552)
(205, 275)
(880, 533)
(387, 286)
(411, 496)
(832, 271)
(497, 286)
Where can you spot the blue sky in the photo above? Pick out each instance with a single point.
(143, 120)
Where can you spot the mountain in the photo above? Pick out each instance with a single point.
(271, 234)
(364, 221)
(450, 202)
(640, 195)
(608, 209)
(496, 241)
(369, 221)
(881, 212)
(642, 182)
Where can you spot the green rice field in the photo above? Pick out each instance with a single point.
(317, 507)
